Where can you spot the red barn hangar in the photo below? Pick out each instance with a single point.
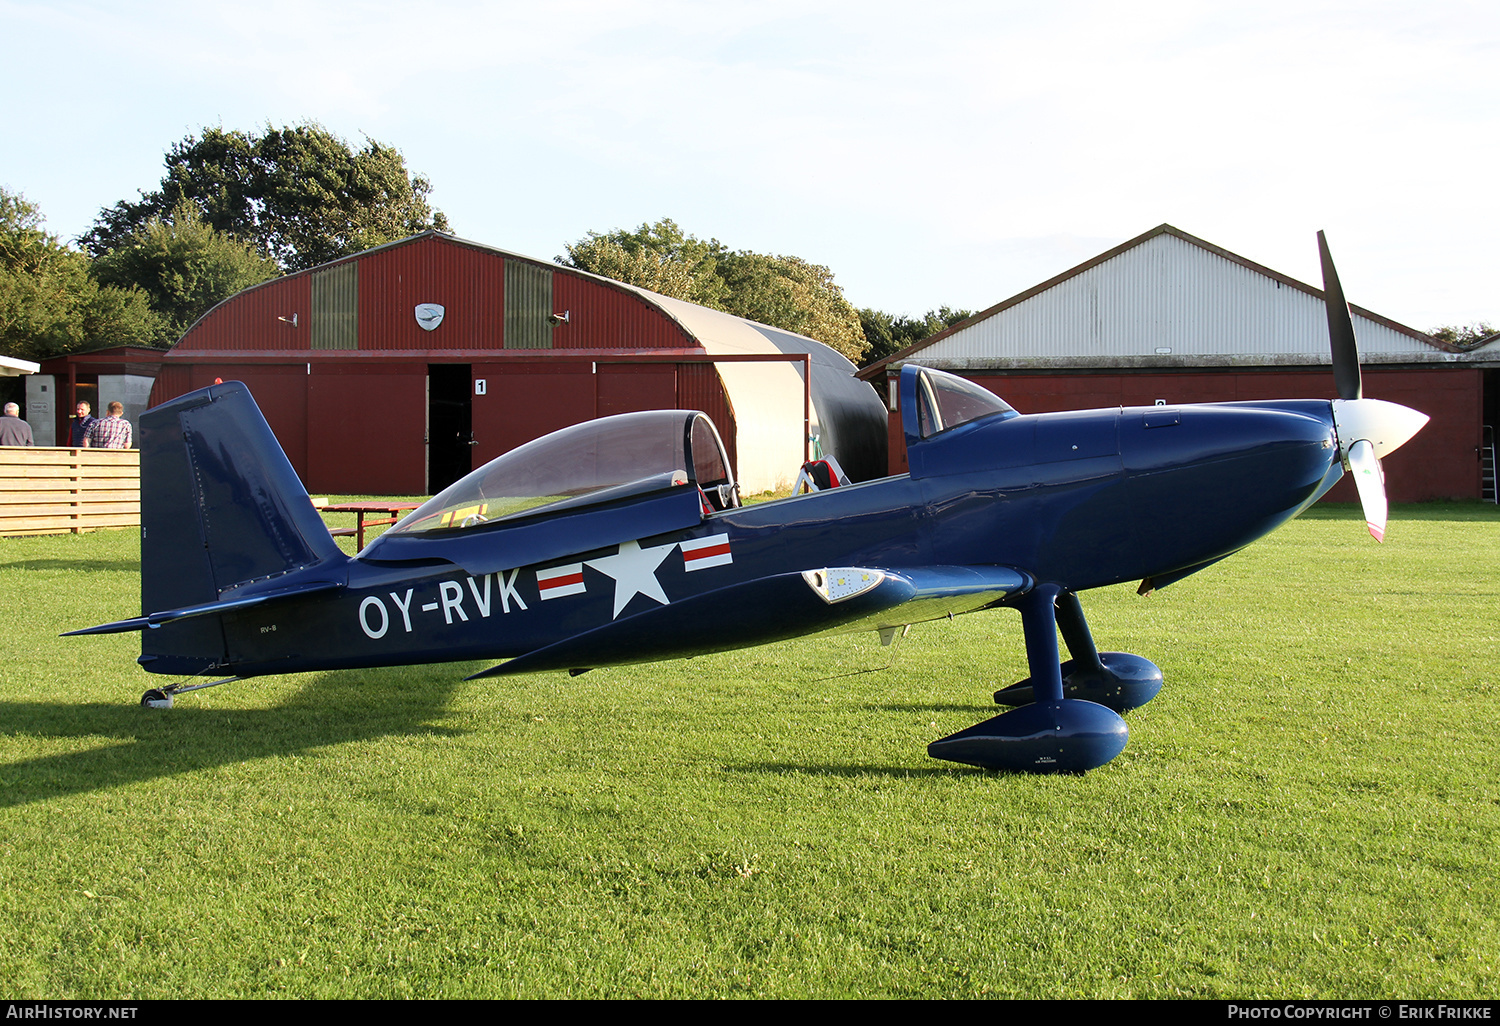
(398, 370)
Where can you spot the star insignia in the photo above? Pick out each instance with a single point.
(634, 571)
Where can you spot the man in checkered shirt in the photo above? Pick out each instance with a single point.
(113, 432)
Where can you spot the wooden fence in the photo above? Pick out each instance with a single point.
(47, 490)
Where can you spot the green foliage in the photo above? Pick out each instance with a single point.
(49, 304)
(658, 257)
(1466, 335)
(784, 292)
(1308, 810)
(183, 265)
(299, 195)
(641, 268)
(887, 334)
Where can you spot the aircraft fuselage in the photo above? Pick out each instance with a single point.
(1080, 499)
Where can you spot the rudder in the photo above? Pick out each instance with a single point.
(221, 507)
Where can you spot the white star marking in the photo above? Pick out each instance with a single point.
(634, 571)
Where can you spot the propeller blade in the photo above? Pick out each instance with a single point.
(1370, 480)
(1346, 376)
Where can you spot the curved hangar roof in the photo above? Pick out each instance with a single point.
(494, 300)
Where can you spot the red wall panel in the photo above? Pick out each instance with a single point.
(279, 389)
(604, 316)
(367, 429)
(253, 319)
(468, 283)
(631, 387)
(523, 401)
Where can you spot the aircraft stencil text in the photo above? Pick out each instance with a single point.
(375, 617)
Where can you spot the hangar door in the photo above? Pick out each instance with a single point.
(366, 427)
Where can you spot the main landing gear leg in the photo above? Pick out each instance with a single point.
(1118, 680)
(1051, 734)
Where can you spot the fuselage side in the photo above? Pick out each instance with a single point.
(1081, 500)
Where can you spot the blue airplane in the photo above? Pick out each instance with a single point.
(622, 540)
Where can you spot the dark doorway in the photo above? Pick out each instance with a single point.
(450, 433)
(85, 390)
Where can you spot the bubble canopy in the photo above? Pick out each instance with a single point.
(939, 401)
(583, 465)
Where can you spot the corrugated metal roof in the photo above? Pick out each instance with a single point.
(1164, 299)
(429, 270)
(492, 300)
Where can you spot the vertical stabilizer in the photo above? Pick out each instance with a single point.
(221, 507)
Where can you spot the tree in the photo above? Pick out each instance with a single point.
(49, 304)
(887, 335)
(783, 291)
(300, 195)
(643, 268)
(658, 257)
(184, 266)
(1464, 336)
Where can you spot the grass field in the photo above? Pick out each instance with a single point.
(1309, 809)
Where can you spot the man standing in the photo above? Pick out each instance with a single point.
(113, 432)
(14, 430)
(81, 425)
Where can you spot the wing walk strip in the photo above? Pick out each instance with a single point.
(833, 600)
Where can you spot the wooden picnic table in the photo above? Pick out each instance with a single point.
(391, 511)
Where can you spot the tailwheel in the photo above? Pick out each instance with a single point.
(161, 698)
(157, 698)
(1064, 736)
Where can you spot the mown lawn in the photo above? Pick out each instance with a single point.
(1309, 809)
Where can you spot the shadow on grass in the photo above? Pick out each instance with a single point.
(331, 709)
(937, 769)
(86, 566)
(980, 709)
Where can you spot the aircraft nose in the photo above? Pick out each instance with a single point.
(1386, 426)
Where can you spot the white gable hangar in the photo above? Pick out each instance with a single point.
(1167, 299)
(1167, 317)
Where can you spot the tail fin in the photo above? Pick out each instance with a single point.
(221, 507)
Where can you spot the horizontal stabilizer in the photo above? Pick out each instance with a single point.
(223, 606)
(834, 600)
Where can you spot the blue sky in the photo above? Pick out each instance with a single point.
(931, 153)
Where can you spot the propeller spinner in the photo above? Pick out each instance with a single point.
(1367, 429)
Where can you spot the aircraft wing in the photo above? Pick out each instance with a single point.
(792, 605)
